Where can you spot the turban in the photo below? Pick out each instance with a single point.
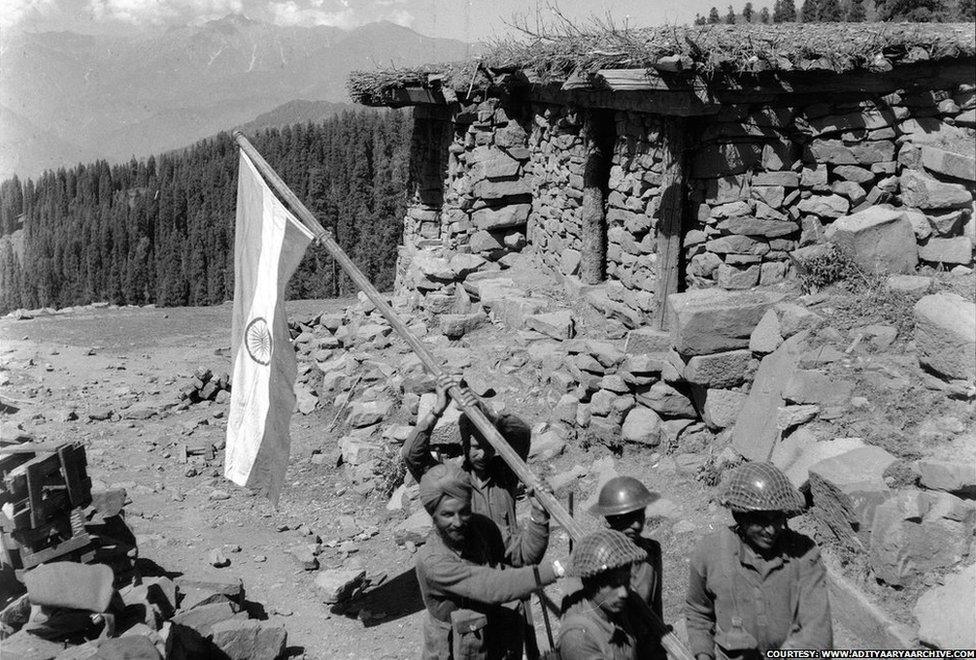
(444, 480)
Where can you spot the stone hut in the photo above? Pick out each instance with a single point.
(642, 162)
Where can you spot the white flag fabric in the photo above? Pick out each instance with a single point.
(269, 243)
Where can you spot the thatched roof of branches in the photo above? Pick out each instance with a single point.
(712, 52)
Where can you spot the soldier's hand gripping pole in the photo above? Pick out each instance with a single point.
(675, 648)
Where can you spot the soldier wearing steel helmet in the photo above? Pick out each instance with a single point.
(757, 585)
(601, 621)
(623, 503)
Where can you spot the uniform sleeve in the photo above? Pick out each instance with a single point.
(700, 608)
(492, 586)
(416, 451)
(528, 545)
(576, 644)
(813, 612)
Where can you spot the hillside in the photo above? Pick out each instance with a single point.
(295, 112)
(160, 230)
(91, 97)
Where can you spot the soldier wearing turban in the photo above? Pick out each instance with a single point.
(468, 579)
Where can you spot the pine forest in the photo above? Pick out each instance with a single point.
(161, 230)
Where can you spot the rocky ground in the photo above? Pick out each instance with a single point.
(334, 560)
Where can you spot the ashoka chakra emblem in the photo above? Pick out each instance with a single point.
(257, 340)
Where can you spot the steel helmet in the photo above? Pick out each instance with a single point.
(603, 551)
(622, 495)
(757, 486)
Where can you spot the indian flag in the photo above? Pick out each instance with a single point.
(268, 245)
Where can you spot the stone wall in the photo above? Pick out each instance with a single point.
(557, 165)
(762, 181)
(766, 180)
(487, 190)
(632, 204)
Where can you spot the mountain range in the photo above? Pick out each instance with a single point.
(67, 97)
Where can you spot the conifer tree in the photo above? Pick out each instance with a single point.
(829, 11)
(713, 17)
(788, 11)
(856, 12)
(764, 15)
(918, 11)
(747, 12)
(730, 16)
(810, 11)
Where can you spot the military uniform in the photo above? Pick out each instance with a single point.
(782, 601)
(493, 498)
(740, 602)
(587, 633)
(468, 594)
(601, 619)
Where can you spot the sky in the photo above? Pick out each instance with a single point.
(467, 20)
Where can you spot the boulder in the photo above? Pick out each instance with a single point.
(558, 325)
(25, 646)
(70, 585)
(305, 399)
(854, 173)
(432, 267)
(642, 426)
(847, 488)
(910, 284)
(455, 326)
(811, 386)
(730, 277)
(825, 206)
(501, 217)
(949, 627)
(926, 192)
(646, 340)
(755, 431)
(798, 451)
(748, 226)
(203, 618)
(665, 400)
(956, 477)
(357, 450)
(566, 408)
(414, 529)
(485, 241)
(879, 238)
(367, 413)
(515, 311)
(718, 370)
(955, 250)
(722, 407)
(546, 446)
(131, 646)
(464, 264)
(706, 321)
(248, 639)
(916, 533)
(766, 337)
(949, 163)
(204, 592)
(793, 318)
(337, 584)
(789, 416)
(945, 335)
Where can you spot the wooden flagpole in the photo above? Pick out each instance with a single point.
(674, 646)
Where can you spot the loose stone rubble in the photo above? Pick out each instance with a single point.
(90, 601)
